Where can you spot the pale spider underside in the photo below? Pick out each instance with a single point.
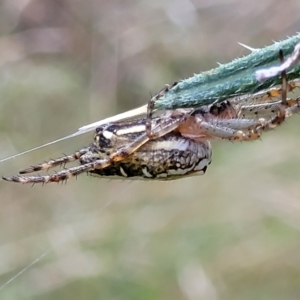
(174, 144)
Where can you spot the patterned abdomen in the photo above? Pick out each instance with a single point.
(169, 157)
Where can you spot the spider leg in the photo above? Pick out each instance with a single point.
(277, 120)
(60, 175)
(262, 109)
(232, 129)
(55, 162)
(166, 122)
(266, 96)
(150, 109)
(245, 129)
(94, 163)
(236, 129)
(282, 107)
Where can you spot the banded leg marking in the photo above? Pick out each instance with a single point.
(55, 162)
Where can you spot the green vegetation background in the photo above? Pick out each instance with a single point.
(231, 234)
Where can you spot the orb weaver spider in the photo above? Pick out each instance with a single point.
(175, 143)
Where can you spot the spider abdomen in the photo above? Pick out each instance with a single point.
(169, 157)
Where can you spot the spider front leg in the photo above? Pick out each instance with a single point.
(90, 160)
(59, 176)
(55, 162)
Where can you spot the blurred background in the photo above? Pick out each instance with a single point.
(231, 234)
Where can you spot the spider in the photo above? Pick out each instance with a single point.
(175, 143)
